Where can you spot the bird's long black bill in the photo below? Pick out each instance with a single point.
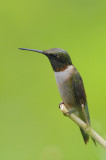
(39, 51)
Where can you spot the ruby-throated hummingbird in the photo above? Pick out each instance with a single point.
(69, 83)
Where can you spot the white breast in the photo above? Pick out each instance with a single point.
(65, 75)
(64, 83)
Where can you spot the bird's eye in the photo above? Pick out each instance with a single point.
(54, 55)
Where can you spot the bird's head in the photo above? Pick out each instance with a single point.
(59, 58)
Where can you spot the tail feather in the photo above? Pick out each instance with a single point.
(85, 117)
(85, 136)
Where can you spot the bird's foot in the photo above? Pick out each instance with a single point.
(71, 111)
(61, 104)
(66, 111)
(63, 108)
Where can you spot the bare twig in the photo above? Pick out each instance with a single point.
(87, 129)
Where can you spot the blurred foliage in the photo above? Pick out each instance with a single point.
(31, 124)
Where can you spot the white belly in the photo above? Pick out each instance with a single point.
(64, 84)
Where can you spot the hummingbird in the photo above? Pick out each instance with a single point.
(70, 84)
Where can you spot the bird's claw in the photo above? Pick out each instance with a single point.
(70, 112)
(60, 104)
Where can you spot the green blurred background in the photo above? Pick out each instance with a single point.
(31, 124)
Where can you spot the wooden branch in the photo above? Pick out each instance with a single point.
(87, 129)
